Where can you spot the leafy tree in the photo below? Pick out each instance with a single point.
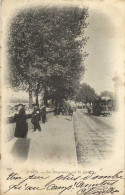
(45, 48)
(86, 94)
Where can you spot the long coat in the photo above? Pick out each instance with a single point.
(21, 124)
(43, 112)
(35, 115)
(36, 118)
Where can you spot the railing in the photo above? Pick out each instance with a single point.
(11, 119)
(9, 130)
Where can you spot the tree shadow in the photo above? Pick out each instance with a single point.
(20, 149)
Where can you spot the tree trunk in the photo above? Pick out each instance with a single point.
(45, 97)
(37, 93)
(53, 100)
(56, 102)
(37, 100)
(30, 98)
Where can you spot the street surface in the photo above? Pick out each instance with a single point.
(54, 145)
(83, 139)
(94, 136)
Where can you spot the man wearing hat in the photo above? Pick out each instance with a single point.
(21, 124)
(36, 118)
(43, 113)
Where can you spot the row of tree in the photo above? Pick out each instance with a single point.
(46, 51)
(86, 94)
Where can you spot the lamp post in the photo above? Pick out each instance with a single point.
(116, 84)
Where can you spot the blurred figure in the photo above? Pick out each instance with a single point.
(55, 111)
(21, 124)
(89, 108)
(70, 111)
(36, 118)
(59, 110)
(63, 111)
(43, 113)
(74, 108)
(66, 110)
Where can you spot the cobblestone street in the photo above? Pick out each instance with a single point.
(94, 136)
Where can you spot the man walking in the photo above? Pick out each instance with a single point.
(36, 118)
(43, 113)
(70, 111)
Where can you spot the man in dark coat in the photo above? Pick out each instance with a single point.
(70, 111)
(55, 111)
(21, 124)
(36, 118)
(43, 113)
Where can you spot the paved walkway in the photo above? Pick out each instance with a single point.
(54, 144)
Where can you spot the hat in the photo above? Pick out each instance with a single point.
(19, 105)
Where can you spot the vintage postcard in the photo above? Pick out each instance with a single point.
(62, 97)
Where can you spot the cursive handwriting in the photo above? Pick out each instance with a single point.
(15, 176)
(97, 191)
(86, 183)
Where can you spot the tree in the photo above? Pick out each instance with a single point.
(46, 48)
(85, 94)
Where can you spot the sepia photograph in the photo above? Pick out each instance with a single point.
(62, 106)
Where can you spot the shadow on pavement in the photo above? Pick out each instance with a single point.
(20, 149)
(68, 119)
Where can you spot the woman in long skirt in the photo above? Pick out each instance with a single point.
(21, 124)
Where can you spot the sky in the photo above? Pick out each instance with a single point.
(100, 63)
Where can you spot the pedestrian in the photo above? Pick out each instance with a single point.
(36, 118)
(55, 111)
(66, 109)
(59, 110)
(21, 124)
(43, 113)
(70, 111)
(63, 111)
(89, 108)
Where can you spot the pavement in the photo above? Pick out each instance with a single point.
(55, 143)
(62, 141)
